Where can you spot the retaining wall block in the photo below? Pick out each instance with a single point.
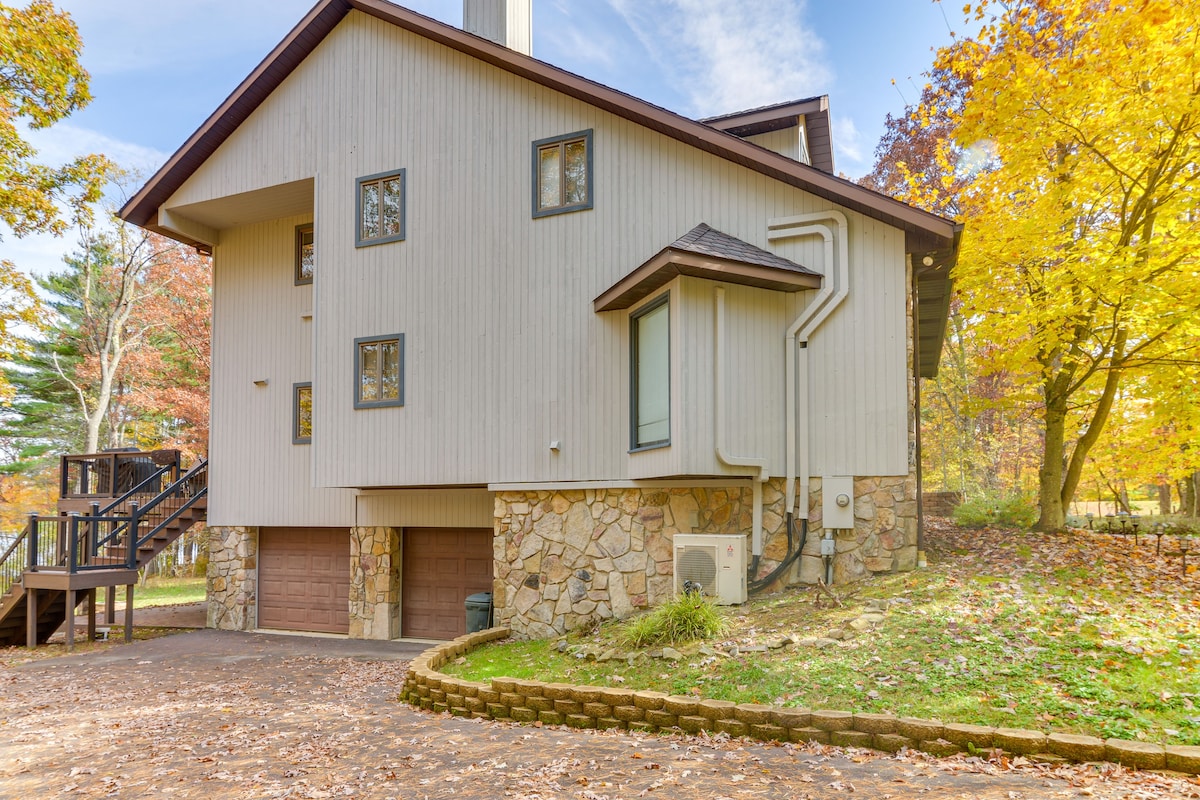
(587, 694)
(891, 742)
(979, 736)
(875, 723)
(733, 727)
(651, 701)
(680, 706)
(605, 723)
(503, 685)
(557, 691)
(828, 720)
(640, 726)
(550, 718)
(1018, 741)
(661, 719)
(808, 735)
(540, 703)
(768, 732)
(939, 747)
(695, 724)
(521, 714)
(850, 738)
(616, 697)
(920, 730)
(529, 688)
(1076, 748)
(1141, 755)
(1183, 758)
(791, 717)
(568, 707)
(629, 713)
(580, 721)
(752, 713)
(715, 709)
(597, 710)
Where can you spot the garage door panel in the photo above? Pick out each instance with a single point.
(442, 566)
(304, 579)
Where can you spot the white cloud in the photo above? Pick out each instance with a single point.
(731, 56)
(848, 144)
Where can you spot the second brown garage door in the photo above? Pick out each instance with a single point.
(442, 567)
(304, 579)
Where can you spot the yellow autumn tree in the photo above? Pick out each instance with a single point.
(41, 82)
(1078, 123)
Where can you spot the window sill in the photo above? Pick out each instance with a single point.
(652, 446)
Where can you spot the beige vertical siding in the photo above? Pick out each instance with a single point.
(258, 476)
(503, 352)
(785, 142)
(431, 508)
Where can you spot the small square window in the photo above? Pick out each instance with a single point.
(301, 413)
(562, 174)
(379, 371)
(650, 357)
(381, 209)
(305, 254)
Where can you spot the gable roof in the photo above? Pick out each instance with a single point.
(925, 234)
(705, 252)
(780, 116)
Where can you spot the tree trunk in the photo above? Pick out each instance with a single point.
(1164, 498)
(1189, 497)
(1050, 475)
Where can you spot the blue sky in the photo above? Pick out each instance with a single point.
(160, 67)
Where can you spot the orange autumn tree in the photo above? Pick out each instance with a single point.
(1079, 133)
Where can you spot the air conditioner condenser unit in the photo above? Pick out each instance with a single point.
(715, 561)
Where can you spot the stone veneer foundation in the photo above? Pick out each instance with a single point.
(374, 583)
(568, 558)
(232, 578)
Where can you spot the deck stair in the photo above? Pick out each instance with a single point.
(59, 561)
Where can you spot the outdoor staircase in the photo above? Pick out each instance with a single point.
(70, 555)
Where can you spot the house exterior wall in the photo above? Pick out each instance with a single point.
(785, 142)
(262, 330)
(503, 352)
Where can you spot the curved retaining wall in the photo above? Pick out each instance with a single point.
(606, 707)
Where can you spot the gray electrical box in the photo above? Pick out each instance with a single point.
(837, 502)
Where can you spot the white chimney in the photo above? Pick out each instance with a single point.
(505, 22)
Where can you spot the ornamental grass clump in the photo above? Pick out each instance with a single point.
(686, 618)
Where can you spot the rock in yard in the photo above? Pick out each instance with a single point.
(671, 654)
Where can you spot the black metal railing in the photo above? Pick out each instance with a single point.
(109, 475)
(101, 539)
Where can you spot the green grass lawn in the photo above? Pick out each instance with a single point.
(1070, 632)
(165, 592)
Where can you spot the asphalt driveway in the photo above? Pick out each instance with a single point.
(212, 714)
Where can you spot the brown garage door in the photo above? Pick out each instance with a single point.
(442, 566)
(304, 579)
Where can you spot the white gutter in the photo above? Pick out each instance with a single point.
(759, 464)
(831, 295)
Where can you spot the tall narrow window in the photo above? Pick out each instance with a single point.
(562, 174)
(379, 371)
(651, 365)
(380, 208)
(305, 254)
(301, 413)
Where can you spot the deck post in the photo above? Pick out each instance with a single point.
(129, 613)
(91, 601)
(31, 617)
(110, 605)
(71, 600)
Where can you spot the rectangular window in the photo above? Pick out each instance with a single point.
(301, 413)
(650, 338)
(305, 254)
(379, 371)
(562, 174)
(380, 209)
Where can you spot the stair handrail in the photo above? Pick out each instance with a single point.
(8, 576)
(118, 529)
(158, 473)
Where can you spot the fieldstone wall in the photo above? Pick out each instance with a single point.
(374, 583)
(232, 578)
(564, 559)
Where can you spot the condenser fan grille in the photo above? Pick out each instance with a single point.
(697, 564)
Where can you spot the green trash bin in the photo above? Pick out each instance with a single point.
(479, 612)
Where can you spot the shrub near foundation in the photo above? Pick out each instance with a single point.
(687, 618)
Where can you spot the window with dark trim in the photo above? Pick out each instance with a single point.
(301, 413)
(379, 371)
(380, 209)
(305, 254)
(562, 174)
(650, 364)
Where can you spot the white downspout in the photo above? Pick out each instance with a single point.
(831, 295)
(759, 464)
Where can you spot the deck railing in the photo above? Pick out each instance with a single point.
(104, 476)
